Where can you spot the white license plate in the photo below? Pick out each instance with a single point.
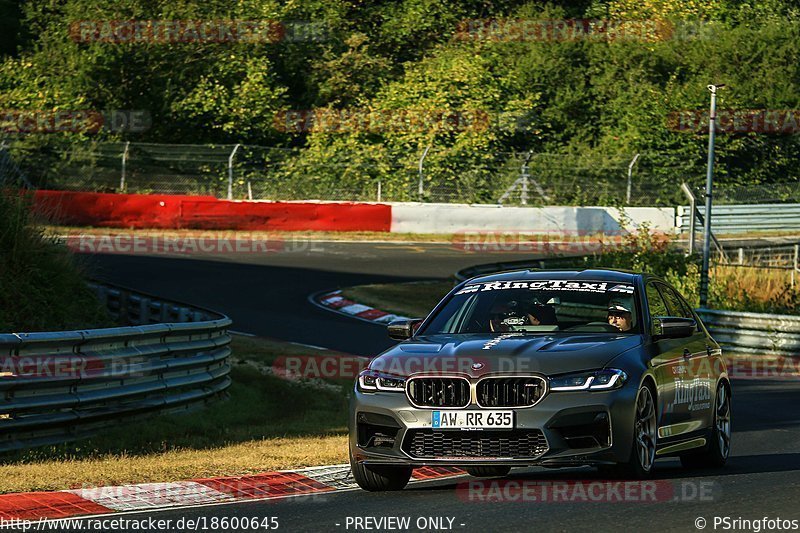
(472, 419)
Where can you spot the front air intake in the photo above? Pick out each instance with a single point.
(438, 392)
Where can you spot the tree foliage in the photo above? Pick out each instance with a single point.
(598, 98)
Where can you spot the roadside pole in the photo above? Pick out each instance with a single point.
(712, 120)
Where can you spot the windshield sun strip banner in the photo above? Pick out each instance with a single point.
(601, 287)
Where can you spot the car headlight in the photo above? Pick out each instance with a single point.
(371, 381)
(605, 379)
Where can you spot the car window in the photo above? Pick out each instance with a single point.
(675, 305)
(655, 302)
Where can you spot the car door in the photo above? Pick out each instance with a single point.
(694, 381)
(666, 359)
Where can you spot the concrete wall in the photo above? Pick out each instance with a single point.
(173, 211)
(455, 218)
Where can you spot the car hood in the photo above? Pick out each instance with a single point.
(481, 354)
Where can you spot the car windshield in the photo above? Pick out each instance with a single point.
(539, 306)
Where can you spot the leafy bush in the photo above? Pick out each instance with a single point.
(42, 286)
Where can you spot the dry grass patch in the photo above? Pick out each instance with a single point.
(415, 299)
(251, 457)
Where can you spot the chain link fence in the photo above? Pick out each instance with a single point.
(774, 193)
(436, 174)
(10, 173)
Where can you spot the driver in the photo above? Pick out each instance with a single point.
(619, 315)
(504, 314)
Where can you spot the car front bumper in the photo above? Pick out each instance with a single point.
(577, 428)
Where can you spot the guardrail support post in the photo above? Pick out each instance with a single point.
(144, 311)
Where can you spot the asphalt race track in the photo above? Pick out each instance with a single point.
(266, 295)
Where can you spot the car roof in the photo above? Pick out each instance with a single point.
(589, 274)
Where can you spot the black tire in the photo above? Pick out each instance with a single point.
(645, 435)
(716, 452)
(380, 478)
(488, 471)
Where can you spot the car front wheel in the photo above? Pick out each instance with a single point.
(643, 451)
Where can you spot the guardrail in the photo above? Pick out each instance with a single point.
(737, 331)
(62, 386)
(760, 333)
(738, 218)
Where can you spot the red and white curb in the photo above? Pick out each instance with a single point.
(334, 301)
(152, 496)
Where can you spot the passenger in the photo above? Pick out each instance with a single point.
(619, 315)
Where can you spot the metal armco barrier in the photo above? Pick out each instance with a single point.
(761, 334)
(61, 386)
(737, 218)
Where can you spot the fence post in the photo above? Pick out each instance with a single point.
(124, 166)
(420, 187)
(230, 171)
(630, 176)
(523, 196)
(379, 189)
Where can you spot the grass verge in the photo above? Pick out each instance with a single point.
(360, 236)
(267, 423)
(415, 299)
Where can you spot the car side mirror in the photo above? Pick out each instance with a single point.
(401, 330)
(673, 327)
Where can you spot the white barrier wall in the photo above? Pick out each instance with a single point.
(456, 218)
